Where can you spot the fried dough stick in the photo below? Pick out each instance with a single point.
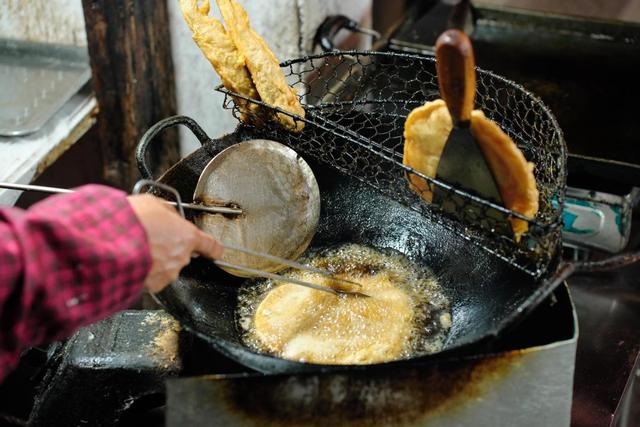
(426, 131)
(211, 37)
(262, 64)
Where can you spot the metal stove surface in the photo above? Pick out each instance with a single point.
(114, 373)
(605, 390)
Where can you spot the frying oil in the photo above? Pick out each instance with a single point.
(429, 306)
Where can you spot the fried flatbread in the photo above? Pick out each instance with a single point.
(216, 45)
(426, 131)
(304, 324)
(262, 64)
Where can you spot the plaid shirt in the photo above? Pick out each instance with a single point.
(67, 261)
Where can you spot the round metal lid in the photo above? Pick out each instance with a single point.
(278, 194)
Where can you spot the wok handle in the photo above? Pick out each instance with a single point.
(455, 64)
(153, 131)
(332, 25)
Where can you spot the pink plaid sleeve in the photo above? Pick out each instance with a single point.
(66, 262)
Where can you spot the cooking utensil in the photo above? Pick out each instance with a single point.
(348, 285)
(293, 264)
(482, 292)
(191, 206)
(360, 132)
(247, 271)
(488, 294)
(278, 194)
(462, 162)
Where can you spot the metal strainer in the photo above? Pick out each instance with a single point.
(279, 197)
(356, 104)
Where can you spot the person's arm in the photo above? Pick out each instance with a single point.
(73, 259)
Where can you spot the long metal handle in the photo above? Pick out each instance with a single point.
(54, 190)
(29, 187)
(291, 264)
(265, 274)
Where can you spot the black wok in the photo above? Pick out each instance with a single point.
(487, 295)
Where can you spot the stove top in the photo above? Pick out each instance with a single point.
(115, 372)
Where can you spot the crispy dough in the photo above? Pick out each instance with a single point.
(216, 45)
(305, 324)
(426, 131)
(262, 64)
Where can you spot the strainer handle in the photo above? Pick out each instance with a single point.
(456, 74)
(153, 131)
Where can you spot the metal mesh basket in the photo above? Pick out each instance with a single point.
(356, 104)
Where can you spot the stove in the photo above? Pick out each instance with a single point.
(139, 367)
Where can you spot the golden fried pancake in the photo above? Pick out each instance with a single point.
(307, 325)
(426, 131)
(219, 49)
(262, 64)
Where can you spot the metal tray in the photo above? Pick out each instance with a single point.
(35, 81)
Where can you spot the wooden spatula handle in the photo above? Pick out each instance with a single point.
(456, 74)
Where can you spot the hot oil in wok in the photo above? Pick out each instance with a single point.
(407, 314)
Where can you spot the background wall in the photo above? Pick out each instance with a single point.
(626, 10)
(288, 26)
(51, 21)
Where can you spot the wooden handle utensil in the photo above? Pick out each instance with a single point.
(456, 74)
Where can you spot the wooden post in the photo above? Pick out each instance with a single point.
(130, 53)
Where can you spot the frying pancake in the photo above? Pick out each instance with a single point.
(426, 131)
(263, 65)
(318, 327)
(406, 313)
(216, 45)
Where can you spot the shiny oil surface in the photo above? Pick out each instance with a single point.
(407, 312)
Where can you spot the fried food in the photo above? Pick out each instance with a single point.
(317, 327)
(262, 64)
(406, 313)
(426, 131)
(216, 45)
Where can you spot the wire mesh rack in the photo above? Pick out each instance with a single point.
(356, 104)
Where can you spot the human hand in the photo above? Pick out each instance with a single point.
(172, 240)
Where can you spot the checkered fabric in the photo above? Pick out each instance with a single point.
(67, 261)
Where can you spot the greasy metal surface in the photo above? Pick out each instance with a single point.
(279, 198)
(608, 310)
(511, 387)
(487, 294)
(35, 81)
(609, 314)
(107, 367)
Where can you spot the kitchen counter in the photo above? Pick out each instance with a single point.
(25, 158)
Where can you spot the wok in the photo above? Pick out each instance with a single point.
(487, 294)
